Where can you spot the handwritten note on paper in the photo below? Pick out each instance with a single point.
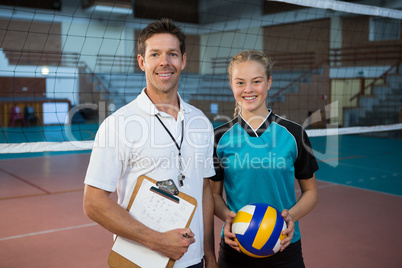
(158, 213)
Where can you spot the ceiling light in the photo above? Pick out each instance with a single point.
(109, 9)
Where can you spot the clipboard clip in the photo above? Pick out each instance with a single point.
(168, 186)
(166, 189)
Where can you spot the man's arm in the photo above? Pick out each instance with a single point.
(208, 215)
(99, 207)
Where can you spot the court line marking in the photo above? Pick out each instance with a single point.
(332, 184)
(328, 185)
(368, 168)
(23, 180)
(48, 231)
(41, 194)
(370, 190)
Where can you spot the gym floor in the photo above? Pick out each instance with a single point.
(355, 224)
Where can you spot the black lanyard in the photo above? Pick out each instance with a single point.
(181, 176)
(171, 136)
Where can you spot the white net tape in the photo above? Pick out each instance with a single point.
(33, 147)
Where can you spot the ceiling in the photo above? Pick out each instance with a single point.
(187, 11)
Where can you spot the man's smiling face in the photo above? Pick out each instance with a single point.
(162, 63)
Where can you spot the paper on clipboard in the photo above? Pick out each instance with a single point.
(158, 213)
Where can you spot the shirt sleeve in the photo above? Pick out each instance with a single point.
(106, 161)
(209, 170)
(305, 164)
(218, 165)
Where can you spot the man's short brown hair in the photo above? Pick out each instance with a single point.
(164, 25)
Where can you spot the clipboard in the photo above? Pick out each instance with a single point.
(176, 212)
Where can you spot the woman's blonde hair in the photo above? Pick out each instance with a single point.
(250, 55)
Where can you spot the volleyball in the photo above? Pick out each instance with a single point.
(258, 228)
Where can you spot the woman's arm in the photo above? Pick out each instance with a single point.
(221, 209)
(303, 206)
(307, 200)
(223, 212)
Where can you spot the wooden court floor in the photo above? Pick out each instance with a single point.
(42, 223)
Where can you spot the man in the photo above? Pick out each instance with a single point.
(162, 137)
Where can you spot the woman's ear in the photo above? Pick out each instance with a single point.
(269, 83)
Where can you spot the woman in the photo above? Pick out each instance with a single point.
(258, 155)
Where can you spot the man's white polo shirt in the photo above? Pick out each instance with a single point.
(132, 142)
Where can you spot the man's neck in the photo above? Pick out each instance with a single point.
(165, 102)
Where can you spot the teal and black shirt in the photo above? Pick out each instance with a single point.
(262, 165)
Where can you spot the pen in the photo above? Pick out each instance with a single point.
(186, 235)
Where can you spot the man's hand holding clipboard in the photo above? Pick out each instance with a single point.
(159, 206)
(177, 243)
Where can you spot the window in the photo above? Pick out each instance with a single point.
(382, 29)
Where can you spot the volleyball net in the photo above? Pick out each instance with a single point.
(67, 65)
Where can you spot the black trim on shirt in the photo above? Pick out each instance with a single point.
(264, 126)
(305, 164)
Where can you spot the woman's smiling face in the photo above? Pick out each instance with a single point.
(250, 86)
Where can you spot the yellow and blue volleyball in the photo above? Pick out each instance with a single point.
(259, 229)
